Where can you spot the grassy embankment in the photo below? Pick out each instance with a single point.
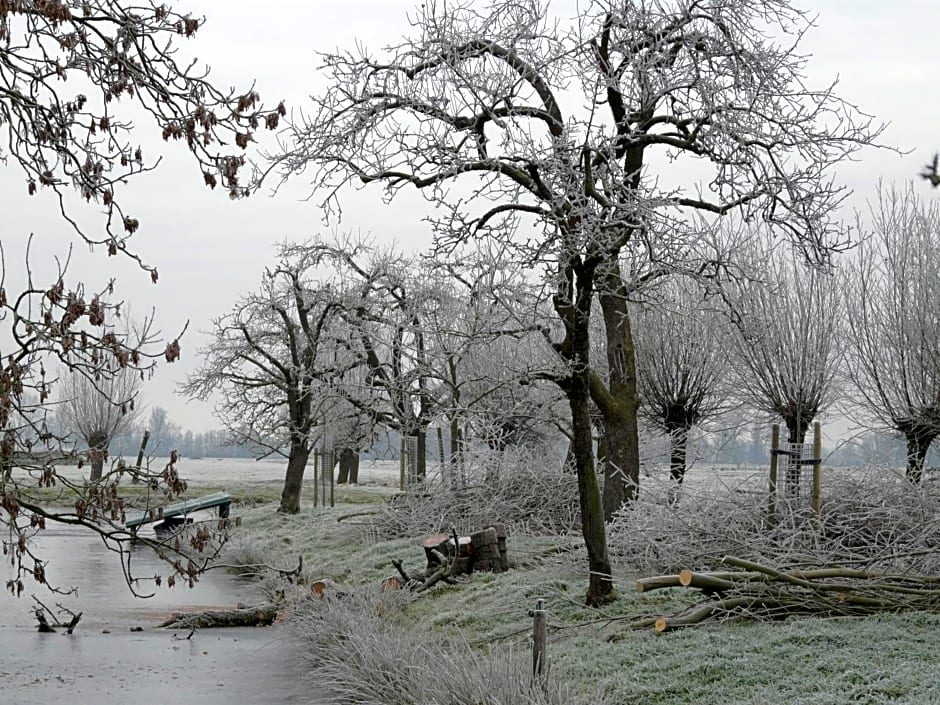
(882, 659)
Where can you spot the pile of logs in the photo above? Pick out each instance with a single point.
(753, 590)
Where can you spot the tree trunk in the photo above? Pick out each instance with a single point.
(600, 584)
(602, 450)
(421, 464)
(679, 441)
(348, 467)
(293, 481)
(486, 557)
(97, 453)
(456, 452)
(620, 401)
(353, 466)
(573, 302)
(918, 443)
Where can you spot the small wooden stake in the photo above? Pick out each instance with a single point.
(539, 640)
(332, 466)
(401, 465)
(316, 460)
(440, 455)
(135, 479)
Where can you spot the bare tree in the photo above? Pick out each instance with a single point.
(73, 76)
(681, 351)
(892, 285)
(557, 121)
(99, 410)
(492, 357)
(789, 346)
(270, 359)
(164, 433)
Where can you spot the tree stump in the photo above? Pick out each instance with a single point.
(441, 546)
(485, 546)
(501, 536)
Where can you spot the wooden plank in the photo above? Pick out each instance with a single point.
(191, 505)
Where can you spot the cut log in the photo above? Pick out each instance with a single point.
(704, 581)
(258, 616)
(327, 590)
(392, 582)
(658, 582)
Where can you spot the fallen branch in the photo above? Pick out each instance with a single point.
(258, 616)
(46, 627)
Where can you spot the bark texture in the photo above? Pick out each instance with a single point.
(293, 480)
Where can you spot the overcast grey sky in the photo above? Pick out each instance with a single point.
(209, 249)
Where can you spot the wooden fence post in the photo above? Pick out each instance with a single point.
(539, 640)
(817, 474)
(440, 455)
(332, 467)
(774, 454)
(316, 484)
(401, 464)
(135, 479)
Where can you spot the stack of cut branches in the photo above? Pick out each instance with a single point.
(873, 520)
(529, 500)
(755, 590)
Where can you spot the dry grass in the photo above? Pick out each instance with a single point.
(469, 642)
(361, 651)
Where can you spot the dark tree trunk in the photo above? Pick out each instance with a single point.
(600, 585)
(573, 302)
(619, 403)
(354, 467)
(456, 452)
(679, 442)
(601, 448)
(918, 443)
(97, 453)
(421, 465)
(348, 467)
(293, 481)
